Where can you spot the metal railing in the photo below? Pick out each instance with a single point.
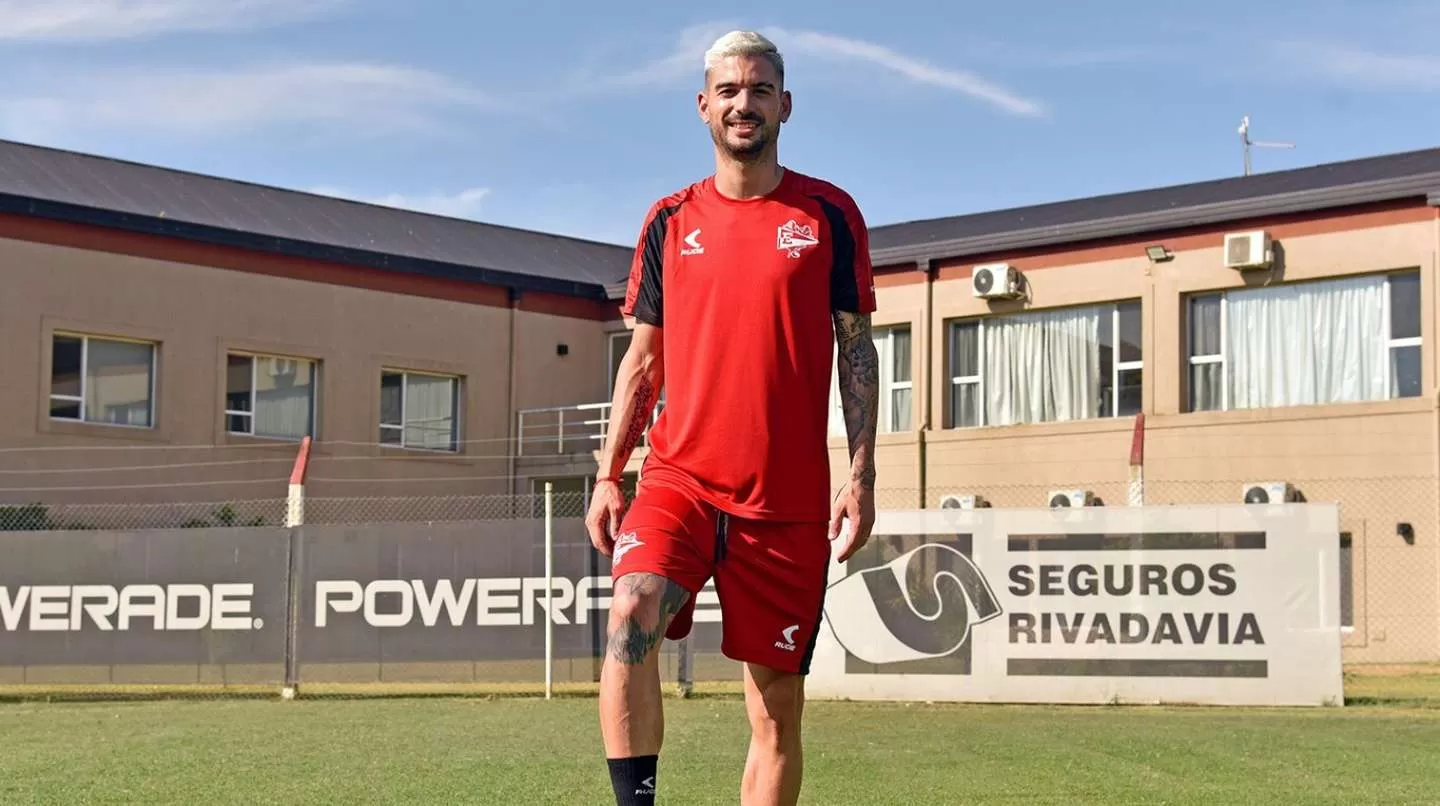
(574, 429)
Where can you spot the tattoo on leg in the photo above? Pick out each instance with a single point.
(631, 642)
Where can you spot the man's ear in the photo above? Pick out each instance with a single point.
(786, 106)
(702, 106)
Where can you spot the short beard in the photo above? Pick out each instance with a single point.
(752, 152)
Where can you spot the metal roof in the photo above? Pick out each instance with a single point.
(83, 188)
(1381, 178)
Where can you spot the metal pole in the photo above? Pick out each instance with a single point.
(549, 586)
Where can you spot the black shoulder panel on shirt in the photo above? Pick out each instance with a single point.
(650, 297)
(844, 292)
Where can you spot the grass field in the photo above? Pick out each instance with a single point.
(1383, 748)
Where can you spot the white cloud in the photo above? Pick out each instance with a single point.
(1357, 67)
(369, 98)
(685, 62)
(92, 20)
(461, 204)
(908, 66)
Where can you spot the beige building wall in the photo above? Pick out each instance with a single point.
(352, 322)
(1378, 460)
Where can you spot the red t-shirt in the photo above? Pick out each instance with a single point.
(744, 291)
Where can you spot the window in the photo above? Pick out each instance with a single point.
(619, 343)
(102, 380)
(892, 344)
(269, 396)
(418, 410)
(897, 391)
(1333, 341)
(1046, 366)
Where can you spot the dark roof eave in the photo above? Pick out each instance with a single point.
(218, 236)
(1422, 185)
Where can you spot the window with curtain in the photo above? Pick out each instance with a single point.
(897, 390)
(270, 396)
(1345, 340)
(1045, 366)
(102, 380)
(419, 410)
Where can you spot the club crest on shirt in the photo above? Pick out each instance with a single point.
(791, 237)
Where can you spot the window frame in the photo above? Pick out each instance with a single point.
(888, 385)
(312, 427)
(1223, 357)
(885, 355)
(612, 357)
(456, 396)
(952, 381)
(153, 370)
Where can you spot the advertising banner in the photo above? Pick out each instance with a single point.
(451, 592)
(1214, 605)
(170, 601)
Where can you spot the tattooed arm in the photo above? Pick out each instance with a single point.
(859, 377)
(638, 382)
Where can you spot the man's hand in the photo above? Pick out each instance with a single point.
(607, 507)
(855, 503)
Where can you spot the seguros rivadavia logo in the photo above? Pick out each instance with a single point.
(921, 605)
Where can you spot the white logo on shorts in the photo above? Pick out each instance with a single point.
(789, 635)
(624, 543)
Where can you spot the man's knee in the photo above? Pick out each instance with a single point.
(775, 703)
(641, 605)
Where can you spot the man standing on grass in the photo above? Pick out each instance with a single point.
(742, 285)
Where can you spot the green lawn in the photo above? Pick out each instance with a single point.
(1385, 748)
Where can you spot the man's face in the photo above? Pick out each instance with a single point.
(744, 104)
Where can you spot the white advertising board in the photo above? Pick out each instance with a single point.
(1216, 605)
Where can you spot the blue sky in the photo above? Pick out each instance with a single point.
(563, 117)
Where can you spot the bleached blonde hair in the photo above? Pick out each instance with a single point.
(744, 43)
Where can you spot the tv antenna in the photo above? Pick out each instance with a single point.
(1247, 142)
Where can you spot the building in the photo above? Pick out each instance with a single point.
(1274, 330)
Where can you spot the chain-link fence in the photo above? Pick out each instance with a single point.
(405, 594)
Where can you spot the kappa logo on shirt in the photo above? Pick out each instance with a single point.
(791, 237)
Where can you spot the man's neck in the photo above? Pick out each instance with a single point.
(746, 180)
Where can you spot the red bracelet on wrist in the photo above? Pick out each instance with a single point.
(612, 479)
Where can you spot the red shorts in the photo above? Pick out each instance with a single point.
(770, 576)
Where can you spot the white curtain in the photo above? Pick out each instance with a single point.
(895, 369)
(1307, 343)
(429, 412)
(1043, 366)
(118, 381)
(284, 391)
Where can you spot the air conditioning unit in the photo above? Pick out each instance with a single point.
(1070, 498)
(1270, 492)
(1248, 250)
(964, 502)
(995, 281)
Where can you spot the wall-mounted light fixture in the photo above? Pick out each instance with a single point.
(1406, 532)
(1158, 253)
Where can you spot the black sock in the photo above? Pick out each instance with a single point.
(633, 780)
